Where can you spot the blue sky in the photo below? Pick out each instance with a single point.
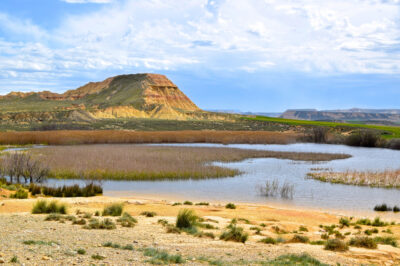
(253, 55)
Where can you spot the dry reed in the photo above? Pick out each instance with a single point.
(71, 137)
(142, 162)
(386, 179)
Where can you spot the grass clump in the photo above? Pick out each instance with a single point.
(81, 251)
(126, 220)
(271, 240)
(344, 222)
(20, 194)
(303, 229)
(386, 240)
(234, 233)
(299, 239)
(293, 259)
(42, 206)
(39, 242)
(148, 214)
(95, 223)
(186, 219)
(98, 257)
(162, 257)
(336, 245)
(113, 209)
(118, 246)
(14, 259)
(230, 206)
(363, 242)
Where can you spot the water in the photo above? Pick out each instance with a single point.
(308, 192)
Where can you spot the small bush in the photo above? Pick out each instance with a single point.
(186, 219)
(81, 251)
(382, 208)
(396, 209)
(113, 209)
(299, 239)
(388, 240)
(234, 233)
(42, 206)
(344, 222)
(187, 202)
(95, 223)
(203, 204)
(377, 222)
(363, 242)
(14, 259)
(54, 217)
(20, 194)
(303, 229)
(98, 257)
(273, 241)
(230, 206)
(162, 257)
(363, 138)
(336, 245)
(80, 222)
(148, 214)
(126, 220)
(293, 259)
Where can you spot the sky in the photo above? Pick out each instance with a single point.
(253, 55)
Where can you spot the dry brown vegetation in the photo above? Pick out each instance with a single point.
(69, 137)
(140, 162)
(388, 178)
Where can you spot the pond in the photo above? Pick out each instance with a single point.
(308, 192)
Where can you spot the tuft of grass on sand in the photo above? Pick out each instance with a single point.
(114, 209)
(43, 206)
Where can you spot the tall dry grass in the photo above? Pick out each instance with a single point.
(71, 137)
(141, 162)
(386, 179)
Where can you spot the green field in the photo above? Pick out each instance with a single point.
(388, 132)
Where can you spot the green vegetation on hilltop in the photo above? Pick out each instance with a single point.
(387, 132)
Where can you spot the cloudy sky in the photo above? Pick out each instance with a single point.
(253, 55)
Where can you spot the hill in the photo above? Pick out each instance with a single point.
(390, 116)
(124, 96)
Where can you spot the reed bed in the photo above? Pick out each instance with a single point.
(141, 162)
(71, 137)
(385, 179)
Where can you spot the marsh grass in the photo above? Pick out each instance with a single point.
(275, 189)
(126, 220)
(234, 233)
(186, 219)
(89, 190)
(384, 179)
(135, 162)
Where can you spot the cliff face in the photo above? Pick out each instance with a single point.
(136, 95)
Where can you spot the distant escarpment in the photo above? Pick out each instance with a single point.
(351, 115)
(124, 96)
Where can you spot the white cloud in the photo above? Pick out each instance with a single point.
(331, 36)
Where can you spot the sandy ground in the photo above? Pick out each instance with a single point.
(18, 225)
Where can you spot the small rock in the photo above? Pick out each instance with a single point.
(134, 241)
(2, 204)
(2, 260)
(46, 258)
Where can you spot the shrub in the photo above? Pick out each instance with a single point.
(363, 241)
(336, 245)
(95, 223)
(20, 194)
(396, 209)
(299, 239)
(54, 217)
(303, 229)
(203, 204)
(98, 257)
(234, 233)
(344, 222)
(294, 259)
(364, 221)
(382, 208)
(113, 209)
(14, 259)
(377, 222)
(387, 240)
(42, 206)
(269, 240)
(186, 219)
(394, 144)
(363, 138)
(35, 189)
(187, 202)
(148, 214)
(230, 206)
(176, 204)
(81, 251)
(80, 221)
(162, 257)
(127, 220)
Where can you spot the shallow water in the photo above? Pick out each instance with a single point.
(308, 192)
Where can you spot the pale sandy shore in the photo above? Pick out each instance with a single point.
(18, 225)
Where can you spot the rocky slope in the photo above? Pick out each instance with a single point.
(124, 96)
